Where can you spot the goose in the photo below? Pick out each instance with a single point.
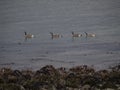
(89, 34)
(55, 35)
(76, 34)
(28, 35)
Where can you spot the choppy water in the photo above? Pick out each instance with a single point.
(40, 17)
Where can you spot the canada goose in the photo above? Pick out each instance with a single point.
(76, 34)
(28, 35)
(55, 35)
(89, 34)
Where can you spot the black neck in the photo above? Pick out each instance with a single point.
(86, 33)
(73, 33)
(25, 33)
(51, 33)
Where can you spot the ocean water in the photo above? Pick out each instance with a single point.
(39, 17)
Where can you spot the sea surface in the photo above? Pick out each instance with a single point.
(40, 17)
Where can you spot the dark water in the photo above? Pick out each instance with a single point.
(40, 17)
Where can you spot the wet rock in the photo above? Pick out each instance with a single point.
(17, 73)
(109, 85)
(50, 78)
(10, 87)
(86, 87)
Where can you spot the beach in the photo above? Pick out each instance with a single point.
(39, 18)
(59, 45)
(51, 78)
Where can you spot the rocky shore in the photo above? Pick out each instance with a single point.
(51, 78)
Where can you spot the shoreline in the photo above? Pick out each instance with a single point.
(97, 67)
(51, 78)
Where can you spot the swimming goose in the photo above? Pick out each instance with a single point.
(28, 35)
(89, 34)
(55, 35)
(76, 34)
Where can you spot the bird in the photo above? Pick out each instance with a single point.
(89, 34)
(76, 34)
(55, 35)
(28, 35)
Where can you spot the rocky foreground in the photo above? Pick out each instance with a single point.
(50, 78)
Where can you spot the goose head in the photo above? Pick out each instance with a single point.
(28, 35)
(76, 34)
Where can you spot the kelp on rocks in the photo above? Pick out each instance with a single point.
(51, 78)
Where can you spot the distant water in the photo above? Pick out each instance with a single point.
(40, 17)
